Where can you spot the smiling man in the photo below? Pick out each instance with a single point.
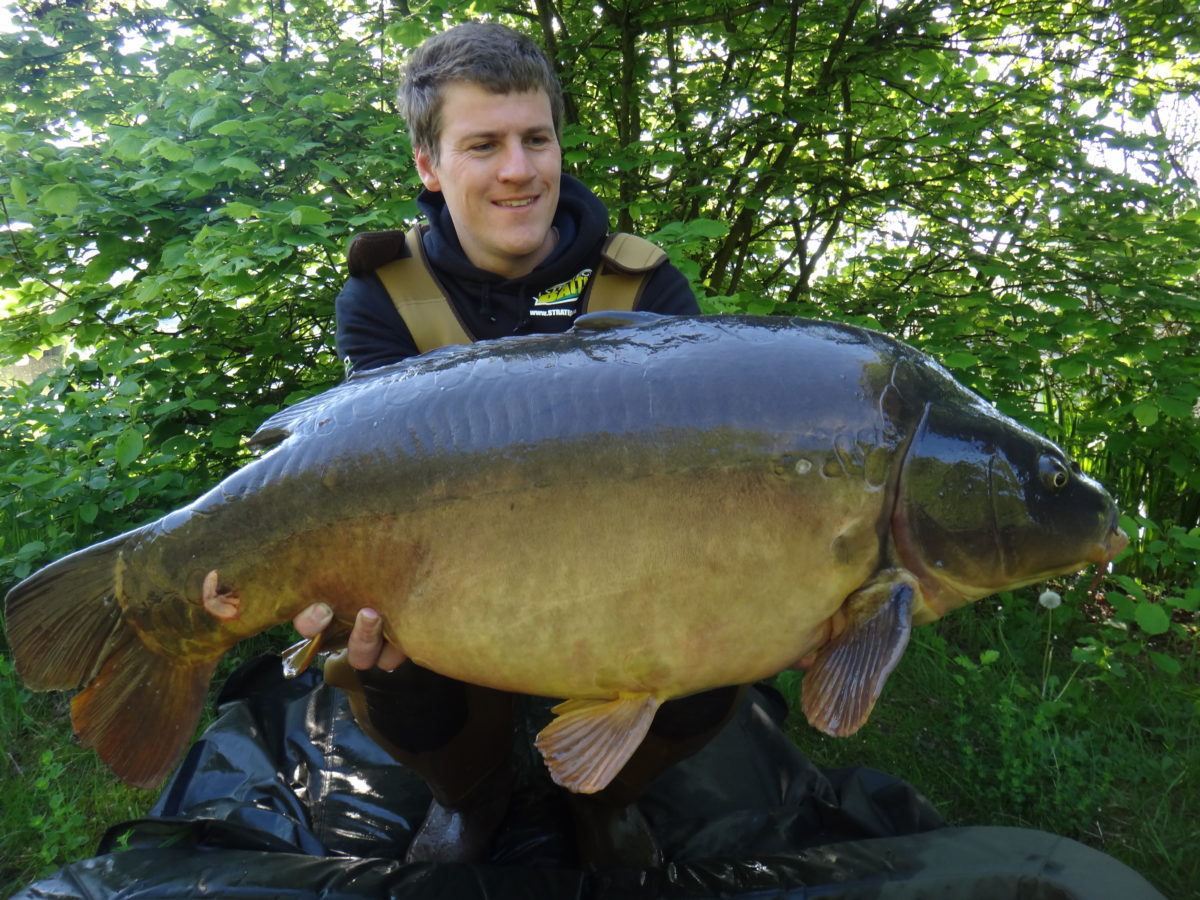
(510, 245)
(498, 168)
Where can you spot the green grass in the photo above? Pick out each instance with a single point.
(991, 727)
(56, 798)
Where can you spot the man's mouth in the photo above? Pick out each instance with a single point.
(515, 204)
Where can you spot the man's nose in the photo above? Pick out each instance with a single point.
(515, 164)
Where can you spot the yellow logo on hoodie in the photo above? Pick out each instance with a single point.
(561, 299)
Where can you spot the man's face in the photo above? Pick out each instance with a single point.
(499, 170)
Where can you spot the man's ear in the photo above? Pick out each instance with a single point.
(426, 170)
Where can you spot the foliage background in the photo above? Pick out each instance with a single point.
(1011, 185)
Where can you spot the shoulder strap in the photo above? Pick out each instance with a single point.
(420, 300)
(626, 263)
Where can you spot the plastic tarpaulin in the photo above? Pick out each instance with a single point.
(283, 796)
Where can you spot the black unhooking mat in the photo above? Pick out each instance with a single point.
(284, 797)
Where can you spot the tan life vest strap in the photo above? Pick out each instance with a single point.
(420, 300)
(626, 263)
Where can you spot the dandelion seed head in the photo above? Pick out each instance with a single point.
(1050, 599)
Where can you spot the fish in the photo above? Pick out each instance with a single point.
(637, 509)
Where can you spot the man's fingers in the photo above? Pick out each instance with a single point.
(313, 620)
(366, 639)
(390, 657)
(366, 646)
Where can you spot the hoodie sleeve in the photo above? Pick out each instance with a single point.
(370, 333)
(669, 292)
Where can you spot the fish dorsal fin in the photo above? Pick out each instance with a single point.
(606, 321)
(287, 421)
(311, 411)
(839, 690)
(590, 741)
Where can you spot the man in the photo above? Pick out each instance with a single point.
(515, 247)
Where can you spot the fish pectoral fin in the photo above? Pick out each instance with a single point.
(590, 741)
(839, 690)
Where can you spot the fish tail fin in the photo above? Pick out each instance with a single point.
(62, 619)
(138, 709)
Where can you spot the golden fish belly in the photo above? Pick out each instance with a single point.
(665, 585)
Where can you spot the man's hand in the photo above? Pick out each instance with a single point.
(366, 646)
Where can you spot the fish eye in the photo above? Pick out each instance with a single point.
(1054, 473)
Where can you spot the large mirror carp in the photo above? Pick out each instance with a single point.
(635, 510)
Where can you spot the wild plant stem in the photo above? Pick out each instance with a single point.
(1046, 655)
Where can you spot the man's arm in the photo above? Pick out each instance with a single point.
(668, 292)
(370, 332)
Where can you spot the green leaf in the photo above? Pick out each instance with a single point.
(32, 550)
(1071, 368)
(235, 209)
(1190, 601)
(1152, 618)
(1146, 414)
(708, 228)
(228, 127)
(1176, 407)
(1168, 664)
(242, 164)
(129, 446)
(128, 146)
(183, 78)
(174, 253)
(202, 116)
(308, 215)
(61, 200)
(199, 181)
(172, 151)
(62, 314)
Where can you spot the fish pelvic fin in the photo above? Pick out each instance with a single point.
(138, 709)
(841, 687)
(589, 741)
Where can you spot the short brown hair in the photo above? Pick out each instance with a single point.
(485, 53)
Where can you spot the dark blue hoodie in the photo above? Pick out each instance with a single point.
(370, 332)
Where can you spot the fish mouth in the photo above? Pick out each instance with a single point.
(1105, 552)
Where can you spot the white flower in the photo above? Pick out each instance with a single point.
(1050, 599)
